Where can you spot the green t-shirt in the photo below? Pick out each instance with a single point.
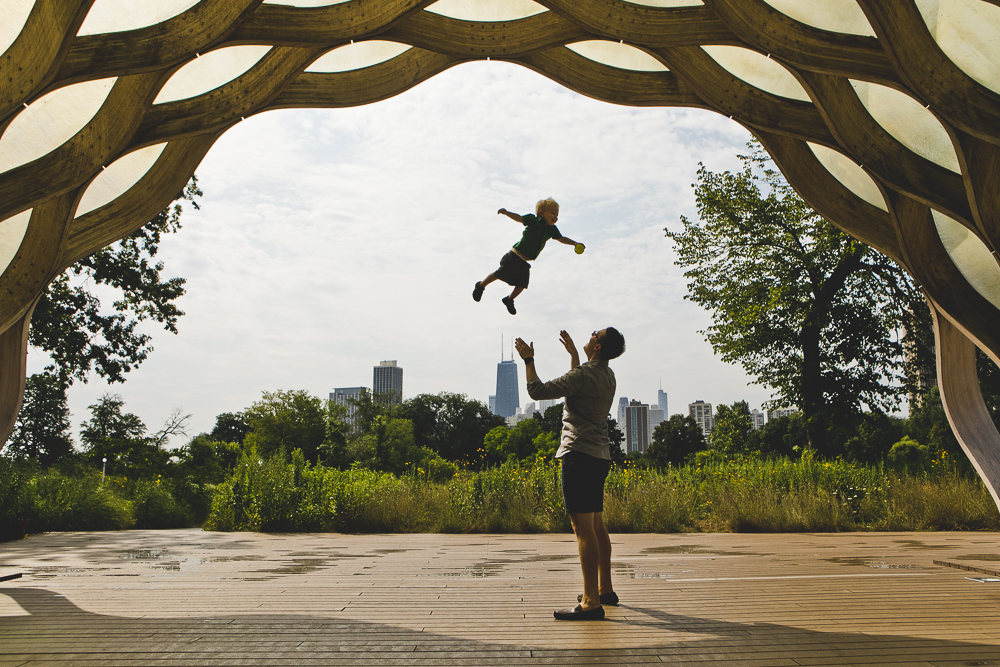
(536, 233)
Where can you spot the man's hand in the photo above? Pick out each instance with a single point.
(525, 350)
(567, 341)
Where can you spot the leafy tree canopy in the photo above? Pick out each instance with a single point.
(68, 322)
(805, 309)
(41, 432)
(283, 421)
(733, 432)
(450, 424)
(674, 440)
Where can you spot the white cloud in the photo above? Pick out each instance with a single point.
(329, 240)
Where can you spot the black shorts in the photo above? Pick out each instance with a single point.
(513, 270)
(583, 482)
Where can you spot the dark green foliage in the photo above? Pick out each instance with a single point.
(615, 438)
(929, 426)
(551, 420)
(204, 461)
(909, 455)
(68, 323)
(784, 436)
(450, 424)
(282, 421)
(875, 434)
(230, 427)
(154, 506)
(674, 440)
(41, 432)
(121, 438)
(733, 432)
(804, 308)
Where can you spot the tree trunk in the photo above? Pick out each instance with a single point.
(812, 391)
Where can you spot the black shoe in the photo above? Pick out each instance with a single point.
(509, 302)
(610, 599)
(577, 613)
(477, 293)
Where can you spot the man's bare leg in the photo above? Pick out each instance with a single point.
(589, 546)
(604, 544)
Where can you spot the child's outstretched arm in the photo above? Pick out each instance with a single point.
(565, 240)
(512, 216)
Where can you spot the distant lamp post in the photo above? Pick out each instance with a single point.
(103, 468)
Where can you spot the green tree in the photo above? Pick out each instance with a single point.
(450, 424)
(121, 438)
(389, 446)
(551, 419)
(283, 421)
(733, 432)
(333, 450)
(806, 309)
(783, 436)
(230, 427)
(41, 432)
(616, 438)
(68, 322)
(875, 433)
(674, 440)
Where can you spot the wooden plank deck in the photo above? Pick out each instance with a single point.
(187, 597)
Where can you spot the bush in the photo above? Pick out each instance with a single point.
(908, 454)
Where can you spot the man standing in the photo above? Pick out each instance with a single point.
(585, 454)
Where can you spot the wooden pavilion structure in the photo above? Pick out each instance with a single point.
(883, 114)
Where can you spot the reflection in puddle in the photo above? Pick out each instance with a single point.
(918, 544)
(696, 549)
(871, 562)
(987, 557)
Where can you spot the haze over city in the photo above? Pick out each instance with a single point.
(330, 240)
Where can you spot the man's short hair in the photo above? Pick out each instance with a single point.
(613, 344)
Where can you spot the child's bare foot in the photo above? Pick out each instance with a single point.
(509, 302)
(477, 293)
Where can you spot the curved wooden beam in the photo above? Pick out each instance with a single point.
(882, 154)
(99, 143)
(736, 98)
(963, 401)
(829, 197)
(227, 105)
(13, 371)
(651, 27)
(155, 47)
(926, 70)
(150, 195)
(31, 62)
(803, 46)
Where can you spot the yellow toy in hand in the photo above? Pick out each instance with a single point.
(578, 248)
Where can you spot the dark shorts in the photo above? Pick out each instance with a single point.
(583, 482)
(513, 270)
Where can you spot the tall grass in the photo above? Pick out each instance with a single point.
(749, 495)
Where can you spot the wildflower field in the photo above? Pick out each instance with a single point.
(739, 495)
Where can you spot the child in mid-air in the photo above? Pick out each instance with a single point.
(514, 267)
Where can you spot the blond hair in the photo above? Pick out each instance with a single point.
(544, 205)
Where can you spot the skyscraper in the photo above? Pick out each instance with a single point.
(655, 417)
(661, 400)
(758, 419)
(622, 405)
(341, 395)
(701, 412)
(636, 426)
(387, 383)
(508, 398)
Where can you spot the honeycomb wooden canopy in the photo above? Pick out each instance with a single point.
(883, 114)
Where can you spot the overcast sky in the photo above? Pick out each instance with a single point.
(329, 240)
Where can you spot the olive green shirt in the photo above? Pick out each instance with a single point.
(590, 391)
(536, 233)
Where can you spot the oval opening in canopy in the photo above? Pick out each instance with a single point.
(909, 122)
(11, 234)
(486, 10)
(210, 71)
(118, 178)
(757, 70)
(850, 175)
(834, 15)
(13, 16)
(120, 15)
(617, 55)
(358, 56)
(973, 259)
(968, 31)
(51, 121)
